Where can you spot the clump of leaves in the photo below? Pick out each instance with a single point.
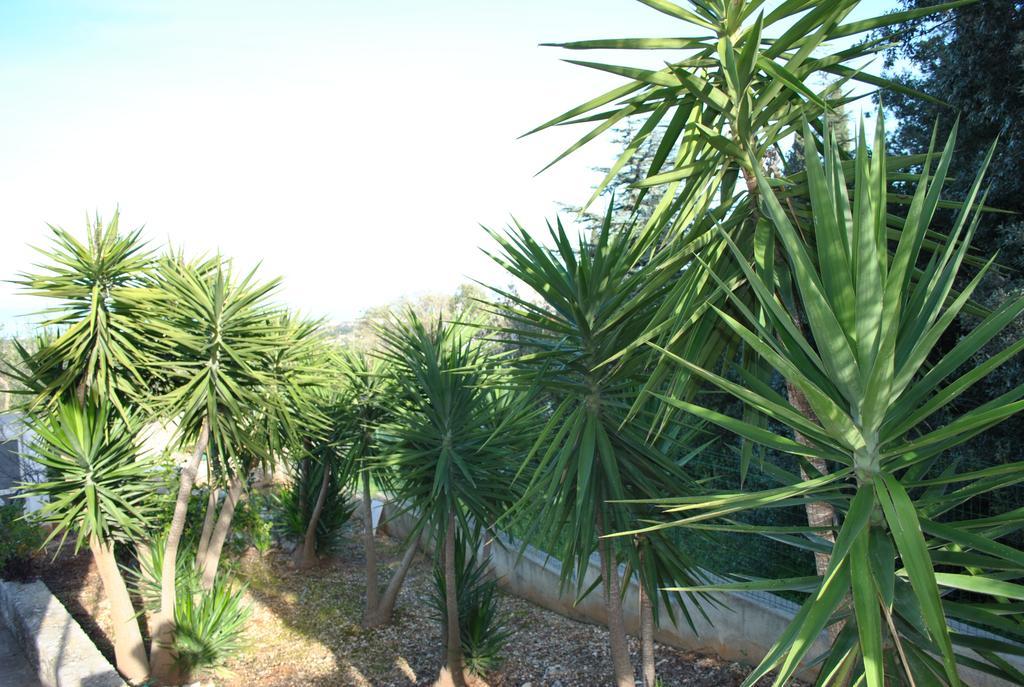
(482, 630)
(209, 626)
(250, 526)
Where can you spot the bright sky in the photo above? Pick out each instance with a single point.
(353, 147)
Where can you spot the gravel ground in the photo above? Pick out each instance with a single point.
(304, 631)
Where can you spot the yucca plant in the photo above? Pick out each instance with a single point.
(596, 298)
(100, 491)
(216, 333)
(210, 627)
(742, 79)
(295, 422)
(144, 576)
(876, 306)
(363, 411)
(482, 632)
(452, 444)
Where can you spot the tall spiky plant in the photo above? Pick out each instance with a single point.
(738, 89)
(452, 443)
(876, 307)
(216, 334)
(93, 357)
(596, 298)
(369, 393)
(100, 491)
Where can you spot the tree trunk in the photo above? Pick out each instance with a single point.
(382, 614)
(129, 649)
(307, 553)
(372, 590)
(162, 650)
(646, 629)
(211, 559)
(621, 664)
(451, 597)
(485, 552)
(208, 521)
(819, 514)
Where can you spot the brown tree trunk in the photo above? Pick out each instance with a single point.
(382, 614)
(372, 590)
(129, 649)
(208, 520)
(307, 553)
(819, 514)
(162, 650)
(621, 664)
(646, 629)
(211, 559)
(485, 552)
(451, 597)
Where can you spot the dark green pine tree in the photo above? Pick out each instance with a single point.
(971, 60)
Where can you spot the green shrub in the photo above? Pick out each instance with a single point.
(210, 626)
(294, 503)
(19, 537)
(251, 525)
(482, 631)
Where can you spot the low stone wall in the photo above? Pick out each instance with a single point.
(740, 627)
(54, 643)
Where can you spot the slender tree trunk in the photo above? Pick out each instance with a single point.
(129, 649)
(208, 521)
(370, 548)
(621, 664)
(307, 553)
(819, 514)
(485, 552)
(211, 559)
(382, 614)
(162, 650)
(451, 597)
(646, 628)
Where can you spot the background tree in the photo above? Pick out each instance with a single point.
(450, 442)
(370, 393)
(970, 61)
(596, 299)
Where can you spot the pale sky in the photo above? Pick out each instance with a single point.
(353, 147)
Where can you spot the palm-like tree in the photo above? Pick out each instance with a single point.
(216, 334)
(452, 443)
(303, 392)
(93, 356)
(736, 91)
(866, 372)
(102, 493)
(596, 299)
(369, 393)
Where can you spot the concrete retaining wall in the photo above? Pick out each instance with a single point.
(54, 643)
(742, 627)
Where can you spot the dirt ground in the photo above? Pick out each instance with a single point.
(304, 631)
